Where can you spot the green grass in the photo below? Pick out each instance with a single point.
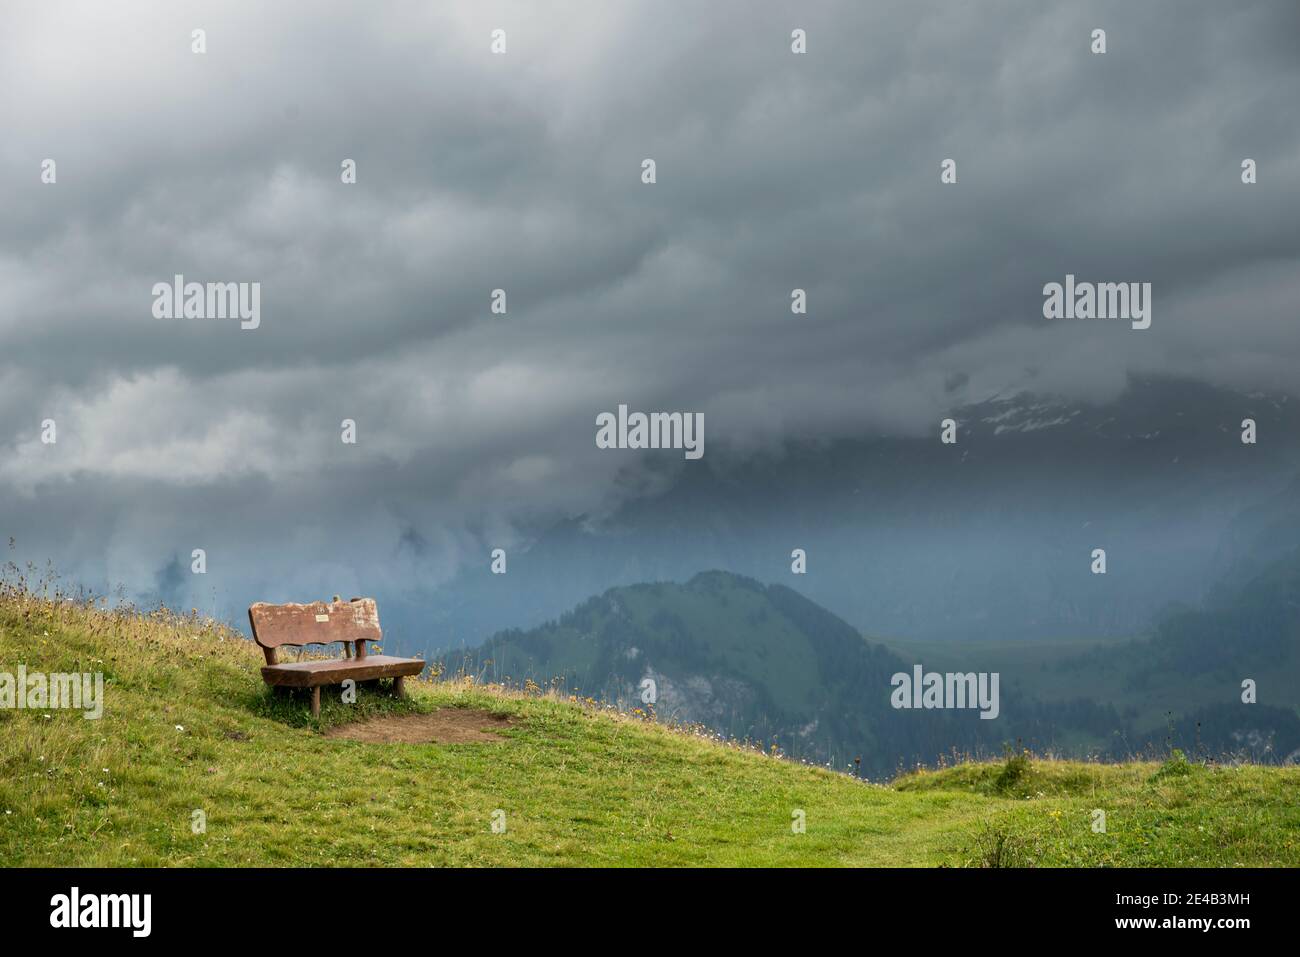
(188, 725)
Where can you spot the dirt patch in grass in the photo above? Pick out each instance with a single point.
(444, 726)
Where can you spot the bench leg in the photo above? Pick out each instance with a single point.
(315, 702)
(399, 686)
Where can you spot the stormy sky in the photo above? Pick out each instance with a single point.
(522, 171)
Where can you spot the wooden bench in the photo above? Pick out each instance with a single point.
(352, 622)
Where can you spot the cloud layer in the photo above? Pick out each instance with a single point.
(522, 171)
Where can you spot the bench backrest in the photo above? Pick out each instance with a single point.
(351, 622)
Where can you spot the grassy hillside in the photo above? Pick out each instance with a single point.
(188, 725)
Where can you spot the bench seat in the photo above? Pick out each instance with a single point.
(332, 671)
(353, 623)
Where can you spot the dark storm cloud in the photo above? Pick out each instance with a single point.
(522, 172)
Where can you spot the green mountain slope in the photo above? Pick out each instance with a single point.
(1184, 680)
(763, 663)
(188, 726)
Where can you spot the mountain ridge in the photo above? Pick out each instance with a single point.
(765, 663)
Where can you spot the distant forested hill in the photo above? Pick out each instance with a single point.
(765, 663)
(758, 662)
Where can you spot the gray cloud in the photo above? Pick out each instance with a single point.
(522, 171)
